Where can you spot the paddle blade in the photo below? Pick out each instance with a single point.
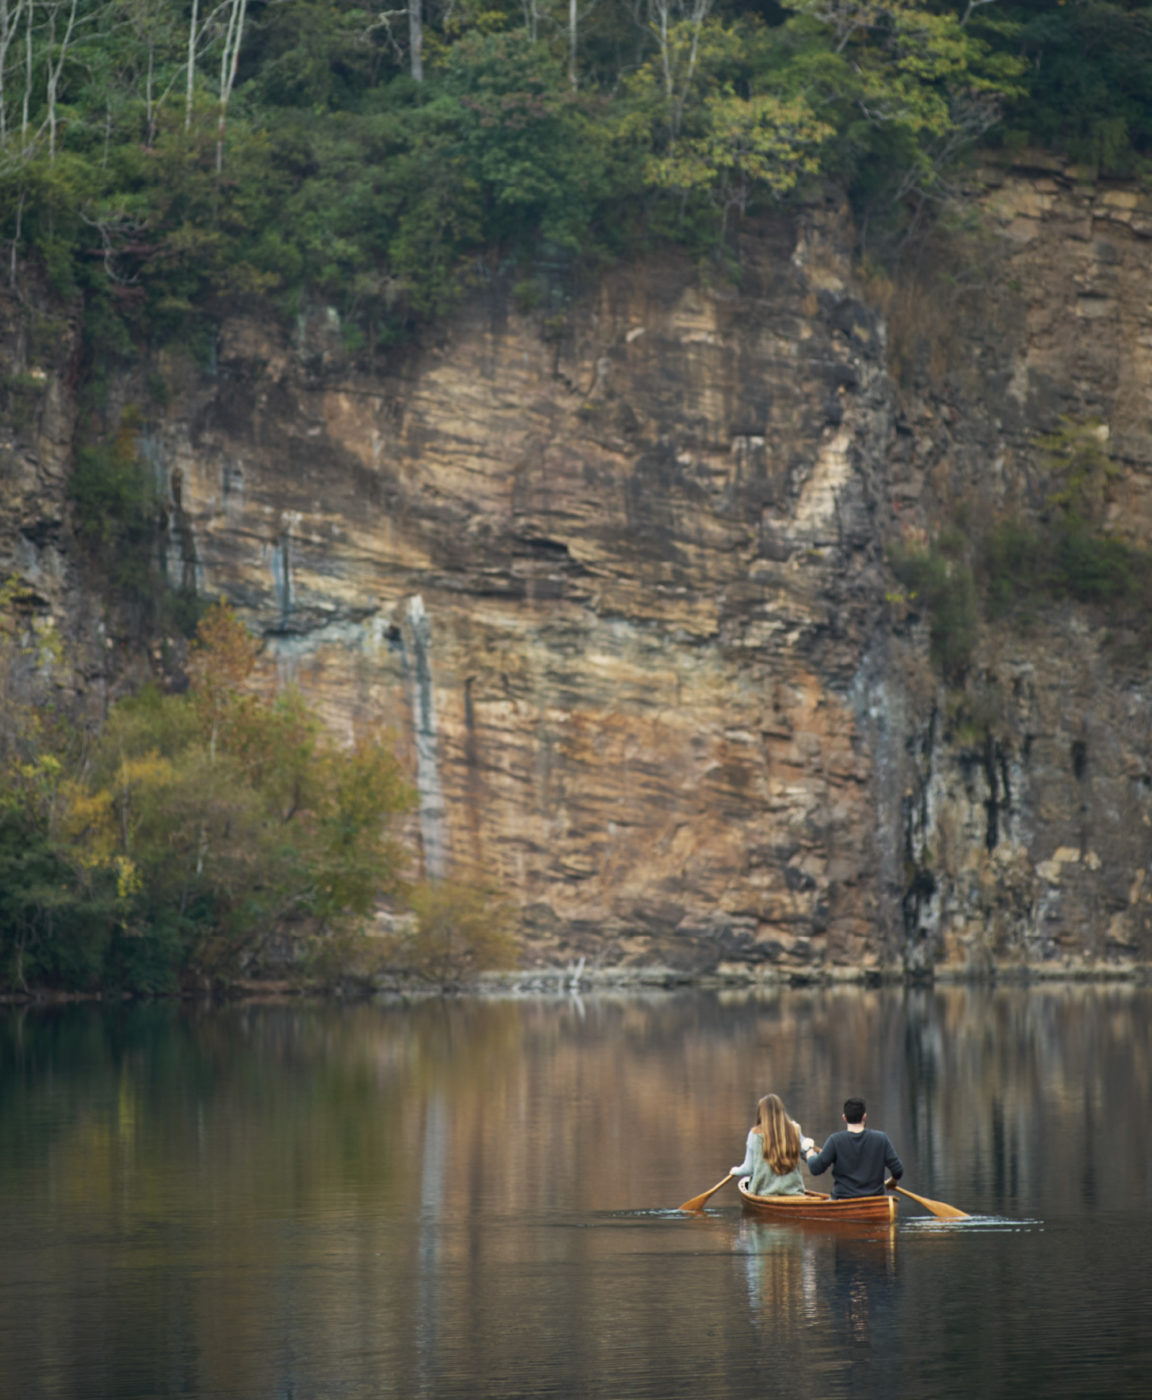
(697, 1202)
(937, 1208)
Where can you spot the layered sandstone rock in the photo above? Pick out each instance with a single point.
(610, 580)
(1028, 816)
(59, 652)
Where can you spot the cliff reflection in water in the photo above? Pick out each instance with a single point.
(397, 1200)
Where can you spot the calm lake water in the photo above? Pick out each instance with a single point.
(477, 1198)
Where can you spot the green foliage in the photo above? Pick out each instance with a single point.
(51, 913)
(528, 143)
(53, 923)
(745, 143)
(1080, 468)
(1087, 92)
(1014, 564)
(459, 930)
(337, 176)
(330, 174)
(120, 515)
(709, 133)
(41, 202)
(1097, 568)
(230, 816)
(22, 395)
(1068, 553)
(943, 587)
(192, 830)
(181, 610)
(907, 89)
(116, 512)
(1014, 567)
(1022, 566)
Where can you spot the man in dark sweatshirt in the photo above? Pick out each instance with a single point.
(859, 1156)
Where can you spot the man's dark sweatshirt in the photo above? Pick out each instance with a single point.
(859, 1161)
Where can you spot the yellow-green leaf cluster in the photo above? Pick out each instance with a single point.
(202, 825)
(763, 142)
(457, 931)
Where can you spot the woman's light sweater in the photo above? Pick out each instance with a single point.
(764, 1181)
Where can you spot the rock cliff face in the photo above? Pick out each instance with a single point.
(1027, 833)
(39, 563)
(611, 580)
(617, 579)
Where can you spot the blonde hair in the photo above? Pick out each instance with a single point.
(781, 1136)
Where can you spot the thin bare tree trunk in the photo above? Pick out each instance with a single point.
(416, 38)
(229, 60)
(54, 67)
(151, 120)
(27, 80)
(664, 15)
(10, 17)
(191, 63)
(14, 264)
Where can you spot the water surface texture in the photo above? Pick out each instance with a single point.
(477, 1198)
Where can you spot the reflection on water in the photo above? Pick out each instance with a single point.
(477, 1198)
(927, 1225)
(835, 1275)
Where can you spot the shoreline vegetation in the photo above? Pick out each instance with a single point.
(211, 834)
(655, 979)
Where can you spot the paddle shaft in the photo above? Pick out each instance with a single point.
(939, 1208)
(698, 1201)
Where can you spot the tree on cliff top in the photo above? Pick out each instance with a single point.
(338, 176)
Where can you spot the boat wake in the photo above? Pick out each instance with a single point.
(994, 1224)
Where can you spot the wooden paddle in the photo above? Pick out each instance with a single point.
(697, 1202)
(945, 1212)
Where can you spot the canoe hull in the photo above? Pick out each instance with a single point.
(815, 1206)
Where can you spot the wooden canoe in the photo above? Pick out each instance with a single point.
(812, 1205)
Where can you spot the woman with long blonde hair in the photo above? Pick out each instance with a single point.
(772, 1152)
